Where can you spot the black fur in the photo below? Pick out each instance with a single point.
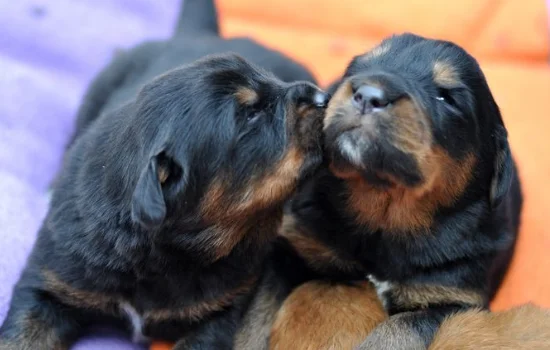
(154, 211)
(464, 252)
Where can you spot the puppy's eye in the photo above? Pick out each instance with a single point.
(254, 116)
(444, 95)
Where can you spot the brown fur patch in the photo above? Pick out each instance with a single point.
(230, 212)
(79, 298)
(256, 326)
(306, 111)
(317, 255)
(34, 335)
(421, 296)
(320, 315)
(198, 311)
(340, 98)
(524, 327)
(444, 74)
(411, 130)
(162, 174)
(404, 209)
(376, 51)
(246, 96)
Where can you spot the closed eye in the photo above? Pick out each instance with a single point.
(444, 95)
(254, 116)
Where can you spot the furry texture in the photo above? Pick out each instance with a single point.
(420, 193)
(523, 327)
(169, 193)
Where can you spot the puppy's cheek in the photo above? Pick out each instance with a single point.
(410, 130)
(221, 205)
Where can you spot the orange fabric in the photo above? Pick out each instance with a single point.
(325, 34)
(510, 38)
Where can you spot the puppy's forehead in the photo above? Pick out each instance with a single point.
(233, 71)
(418, 57)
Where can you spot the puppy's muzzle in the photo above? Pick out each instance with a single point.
(320, 99)
(369, 98)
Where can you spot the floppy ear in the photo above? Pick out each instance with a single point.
(148, 203)
(503, 170)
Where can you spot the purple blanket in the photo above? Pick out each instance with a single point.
(49, 52)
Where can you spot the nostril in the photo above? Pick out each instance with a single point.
(368, 97)
(377, 103)
(358, 97)
(320, 99)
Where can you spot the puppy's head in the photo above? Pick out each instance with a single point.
(417, 115)
(220, 141)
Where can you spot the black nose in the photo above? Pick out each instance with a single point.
(320, 99)
(369, 97)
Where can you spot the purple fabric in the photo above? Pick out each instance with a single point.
(49, 52)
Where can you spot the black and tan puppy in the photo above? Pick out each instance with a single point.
(161, 216)
(196, 35)
(420, 195)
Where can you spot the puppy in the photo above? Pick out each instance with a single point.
(196, 34)
(420, 193)
(523, 327)
(161, 216)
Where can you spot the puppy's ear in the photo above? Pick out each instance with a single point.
(503, 169)
(148, 203)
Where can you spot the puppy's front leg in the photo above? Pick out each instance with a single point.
(37, 322)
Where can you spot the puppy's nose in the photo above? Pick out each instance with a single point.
(320, 99)
(369, 97)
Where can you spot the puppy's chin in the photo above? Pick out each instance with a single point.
(354, 155)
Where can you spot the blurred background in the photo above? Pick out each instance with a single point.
(50, 50)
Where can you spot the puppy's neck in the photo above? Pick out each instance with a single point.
(220, 238)
(406, 209)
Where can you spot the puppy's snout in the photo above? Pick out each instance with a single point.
(368, 97)
(308, 95)
(320, 99)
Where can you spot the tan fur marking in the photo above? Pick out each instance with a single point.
(404, 209)
(376, 51)
(261, 193)
(306, 111)
(524, 327)
(341, 97)
(230, 213)
(162, 174)
(198, 311)
(275, 187)
(321, 315)
(246, 96)
(34, 335)
(411, 131)
(444, 74)
(422, 295)
(317, 255)
(79, 298)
